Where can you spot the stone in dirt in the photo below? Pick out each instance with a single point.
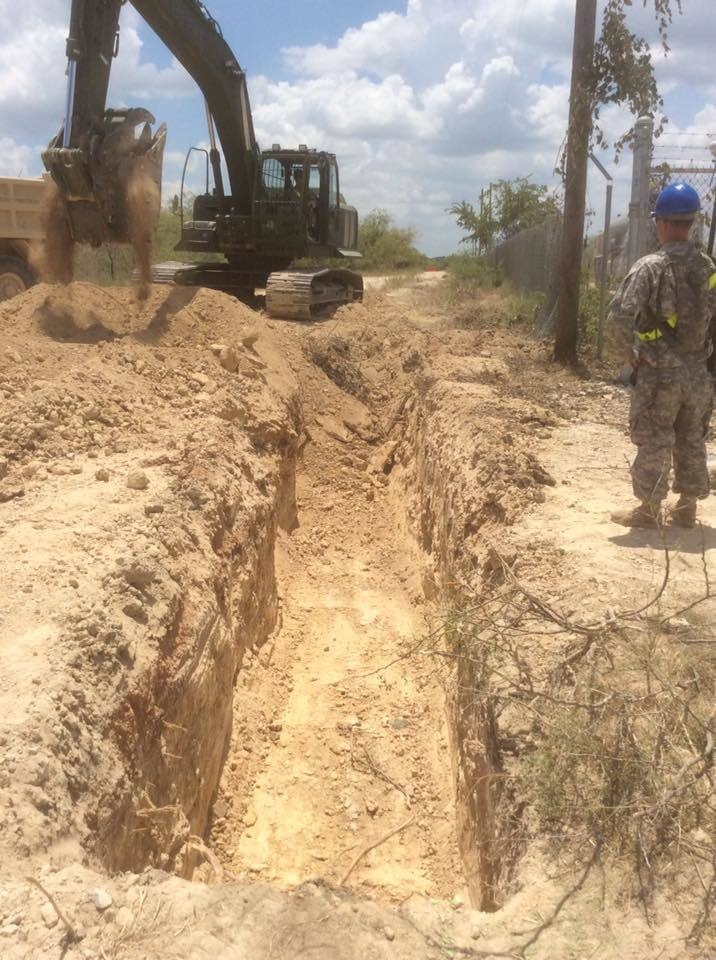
(101, 899)
(362, 429)
(49, 915)
(124, 918)
(382, 459)
(135, 610)
(11, 490)
(345, 726)
(229, 359)
(333, 428)
(138, 574)
(138, 480)
(102, 476)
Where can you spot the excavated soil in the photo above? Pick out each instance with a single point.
(222, 538)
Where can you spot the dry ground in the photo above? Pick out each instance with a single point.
(221, 536)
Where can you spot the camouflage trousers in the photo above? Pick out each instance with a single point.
(669, 421)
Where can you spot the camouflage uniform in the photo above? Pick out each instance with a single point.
(667, 302)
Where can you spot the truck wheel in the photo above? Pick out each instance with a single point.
(15, 277)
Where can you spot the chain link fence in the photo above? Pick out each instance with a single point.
(684, 157)
(702, 178)
(528, 259)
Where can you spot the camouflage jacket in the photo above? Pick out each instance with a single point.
(666, 305)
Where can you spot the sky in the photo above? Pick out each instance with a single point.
(425, 102)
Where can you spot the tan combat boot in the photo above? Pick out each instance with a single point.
(684, 513)
(647, 515)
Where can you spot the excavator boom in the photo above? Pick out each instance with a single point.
(195, 39)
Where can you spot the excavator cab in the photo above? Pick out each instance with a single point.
(303, 185)
(297, 211)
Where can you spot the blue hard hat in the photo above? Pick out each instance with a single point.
(677, 201)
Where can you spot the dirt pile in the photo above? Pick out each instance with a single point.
(140, 458)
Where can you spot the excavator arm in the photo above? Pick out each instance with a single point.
(107, 163)
(195, 39)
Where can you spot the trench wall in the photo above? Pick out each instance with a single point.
(174, 726)
(460, 478)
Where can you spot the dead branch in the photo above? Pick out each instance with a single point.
(72, 935)
(387, 666)
(197, 844)
(372, 768)
(561, 904)
(632, 614)
(372, 846)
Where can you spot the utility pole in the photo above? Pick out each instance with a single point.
(712, 229)
(575, 188)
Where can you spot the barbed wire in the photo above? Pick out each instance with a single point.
(705, 134)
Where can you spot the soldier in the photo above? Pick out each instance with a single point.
(668, 302)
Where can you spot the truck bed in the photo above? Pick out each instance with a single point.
(21, 207)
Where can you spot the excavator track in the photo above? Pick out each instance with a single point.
(307, 294)
(311, 294)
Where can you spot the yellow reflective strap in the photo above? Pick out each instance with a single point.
(650, 335)
(672, 321)
(712, 281)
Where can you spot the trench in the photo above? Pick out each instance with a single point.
(298, 742)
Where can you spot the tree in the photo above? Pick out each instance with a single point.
(479, 226)
(514, 206)
(618, 70)
(519, 204)
(385, 246)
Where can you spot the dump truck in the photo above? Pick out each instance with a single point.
(22, 204)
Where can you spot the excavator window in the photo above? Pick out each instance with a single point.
(297, 180)
(314, 180)
(273, 177)
(333, 186)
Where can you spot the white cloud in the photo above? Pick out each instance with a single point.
(375, 47)
(16, 159)
(33, 64)
(133, 78)
(422, 107)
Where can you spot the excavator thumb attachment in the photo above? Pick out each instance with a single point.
(110, 187)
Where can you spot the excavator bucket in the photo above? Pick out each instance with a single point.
(110, 187)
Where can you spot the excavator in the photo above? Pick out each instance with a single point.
(278, 206)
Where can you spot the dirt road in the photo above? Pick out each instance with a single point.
(589, 457)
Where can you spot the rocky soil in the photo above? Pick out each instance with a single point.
(222, 538)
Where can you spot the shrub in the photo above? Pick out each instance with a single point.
(387, 247)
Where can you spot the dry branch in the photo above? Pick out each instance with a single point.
(372, 846)
(72, 935)
(609, 726)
